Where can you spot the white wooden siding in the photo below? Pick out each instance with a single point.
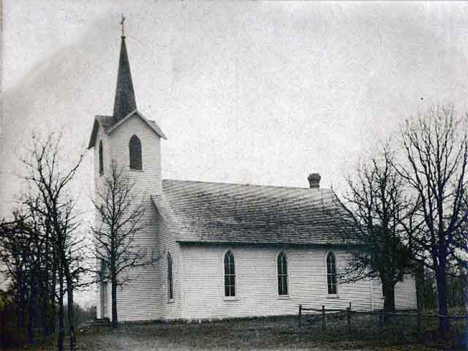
(166, 243)
(139, 299)
(405, 294)
(256, 280)
(148, 180)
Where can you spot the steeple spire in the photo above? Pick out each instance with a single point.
(124, 94)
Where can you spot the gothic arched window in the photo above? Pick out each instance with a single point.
(331, 273)
(101, 158)
(229, 275)
(282, 264)
(134, 148)
(170, 289)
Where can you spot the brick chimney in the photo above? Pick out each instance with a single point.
(314, 180)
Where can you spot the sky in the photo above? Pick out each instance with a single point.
(246, 92)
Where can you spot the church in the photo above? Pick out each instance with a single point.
(227, 250)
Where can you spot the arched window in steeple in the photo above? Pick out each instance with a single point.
(101, 159)
(134, 147)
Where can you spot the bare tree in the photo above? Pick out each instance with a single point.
(120, 210)
(15, 247)
(460, 254)
(22, 250)
(379, 215)
(436, 158)
(49, 181)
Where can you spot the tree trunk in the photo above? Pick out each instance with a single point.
(44, 301)
(441, 280)
(32, 312)
(21, 319)
(60, 317)
(53, 296)
(464, 278)
(52, 316)
(419, 285)
(71, 315)
(114, 302)
(388, 290)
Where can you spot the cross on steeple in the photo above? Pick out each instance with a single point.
(123, 26)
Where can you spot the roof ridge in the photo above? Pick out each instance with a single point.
(246, 184)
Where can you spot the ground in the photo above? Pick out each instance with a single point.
(262, 334)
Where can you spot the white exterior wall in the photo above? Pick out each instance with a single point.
(139, 299)
(405, 294)
(148, 180)
(169, 309)
(101, 136)
(256, 283)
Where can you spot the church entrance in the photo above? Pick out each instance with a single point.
(104, 300)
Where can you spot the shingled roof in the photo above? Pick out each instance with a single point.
(201, 212)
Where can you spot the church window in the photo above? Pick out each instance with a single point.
(103, 270)
(282, 266)
(229, 275)
(331, 273)
(170, 286)
(101, 159)
(135, 153)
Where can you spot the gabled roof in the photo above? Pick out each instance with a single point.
(200, 212)
(109, 124)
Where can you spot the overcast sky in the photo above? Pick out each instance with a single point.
(246, 92)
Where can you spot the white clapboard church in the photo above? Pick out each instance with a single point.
(229, 250)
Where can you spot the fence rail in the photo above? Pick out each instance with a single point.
(381, 313)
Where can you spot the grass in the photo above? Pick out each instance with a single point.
(269, 334)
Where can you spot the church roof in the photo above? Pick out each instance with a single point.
(201, 212)
(109, 125)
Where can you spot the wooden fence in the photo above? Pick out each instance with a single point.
(305, 311)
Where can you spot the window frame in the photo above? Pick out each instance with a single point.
(101, 158)
(103, 270)
(135, 156)
(334, 274)
(170, 278)
(282, 255)
(235, 296)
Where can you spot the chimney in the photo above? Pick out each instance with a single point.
(314, 180)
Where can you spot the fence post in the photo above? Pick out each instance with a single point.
(324, 325)
(348, 317)
(382, 312)
(300, 315)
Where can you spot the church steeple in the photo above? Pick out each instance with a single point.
(124, 94)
